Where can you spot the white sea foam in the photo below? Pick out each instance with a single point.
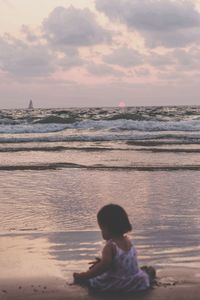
(180, 125)
(32, 128)
(123, 124)
(91, 136)
(114, 126)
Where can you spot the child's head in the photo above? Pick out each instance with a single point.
(113, 221)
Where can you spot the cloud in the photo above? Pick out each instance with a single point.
(29, 35)
(188, 59)
(177, 59)
(72, 27)
(70, 59)
(124, 57)
(165, 23)
(21, 59)
(160, 60)
(142, 72)
(103, 70)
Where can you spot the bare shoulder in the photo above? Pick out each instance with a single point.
(108, 247)
(108, 250)
(124, 243)
(128, 242)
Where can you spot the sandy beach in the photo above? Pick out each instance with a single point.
(181, 284)
(40, 268)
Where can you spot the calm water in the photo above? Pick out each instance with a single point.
(58, 167)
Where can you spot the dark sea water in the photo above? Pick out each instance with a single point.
(59, 166)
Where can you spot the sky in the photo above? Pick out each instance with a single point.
(69, 53)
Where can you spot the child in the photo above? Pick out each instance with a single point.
(117, 270)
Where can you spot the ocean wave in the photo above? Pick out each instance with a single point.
(7, 121)
(162, 113)
(128, 138)
(56, 120)
(46, 126)
(168, 150)
(154, 143)
(59, 148)
(55, 166)
(150, 126)
(98, 149)
(130, 125)
(31, 128)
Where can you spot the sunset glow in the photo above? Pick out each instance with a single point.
(122, 104)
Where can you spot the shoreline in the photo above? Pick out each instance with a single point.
(173, 284)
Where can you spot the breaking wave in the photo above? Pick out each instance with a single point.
(54, 166)
(168, 138)
(113, 126)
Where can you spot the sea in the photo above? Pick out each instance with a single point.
(59, 166)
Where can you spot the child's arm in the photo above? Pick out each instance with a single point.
(93, 263)
(100, 267)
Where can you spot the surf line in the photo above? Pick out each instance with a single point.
(56, 166)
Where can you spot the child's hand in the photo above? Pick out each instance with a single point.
(79, 277)
(93, 263)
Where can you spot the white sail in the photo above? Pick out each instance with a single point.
(30, 105)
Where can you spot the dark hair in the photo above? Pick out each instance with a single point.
(114, 218)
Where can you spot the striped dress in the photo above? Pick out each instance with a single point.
(124, 275)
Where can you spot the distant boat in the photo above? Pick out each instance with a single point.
(31, 105)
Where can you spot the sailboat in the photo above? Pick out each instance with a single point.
(30, 107)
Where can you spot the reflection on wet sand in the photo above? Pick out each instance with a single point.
(40, 265)
(62, 253)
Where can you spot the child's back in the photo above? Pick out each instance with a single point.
(124, 274)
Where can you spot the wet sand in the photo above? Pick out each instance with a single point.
(181, 284)
(40, 266)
